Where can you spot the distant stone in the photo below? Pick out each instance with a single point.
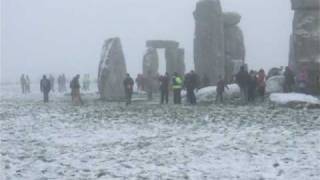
(173, 54)
(112, 70)
(162, 44)
(151, 62)
(175, 61)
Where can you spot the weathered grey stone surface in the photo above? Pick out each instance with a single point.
(209, 40)
(175, 61)
(231, 18)
(305, 41)
(305, 4)
(112, 70)
(162, 44)
(150, 69)
(233, 43)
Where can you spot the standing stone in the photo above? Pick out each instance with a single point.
(181, 67)
(234, 44)
(112, 71)
(151, 62)
(209, 40)
(305, 41)
(150, 70)
(175, 61)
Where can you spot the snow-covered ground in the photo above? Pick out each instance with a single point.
(147, 141)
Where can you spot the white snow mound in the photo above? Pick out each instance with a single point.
(208, 94)
(286, 98)
(275, 84)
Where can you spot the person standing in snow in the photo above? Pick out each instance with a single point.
(164, 88)
(242, 79)
(252, 86)
(23, 84)
(288, 80)
(177, 83)
(28, 83)
(128, 84)
(75, 90)
(261, 80)
(190, 83)
(45, 87)
(221, 85)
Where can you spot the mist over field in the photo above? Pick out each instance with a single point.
(43, 36)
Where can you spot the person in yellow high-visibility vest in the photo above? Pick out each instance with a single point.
(177, 83)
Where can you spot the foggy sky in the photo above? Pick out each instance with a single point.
(56, 36)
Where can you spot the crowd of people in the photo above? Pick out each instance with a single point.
(252, 85)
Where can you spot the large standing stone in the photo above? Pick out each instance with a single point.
(234, 43)
(112, 70)
(305, 41)
(209, 40)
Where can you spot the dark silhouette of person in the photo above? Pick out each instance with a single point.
(221, 85)
(164, 88)
(190, 84)
(45, 87)
(128, 84)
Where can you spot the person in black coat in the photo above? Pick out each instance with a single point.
(242, 79)
(191, 83)
(164, 88)
(221, 86)
(45, 87)
(75, 90)
(128, 84)
(252, 86)
(289, 80)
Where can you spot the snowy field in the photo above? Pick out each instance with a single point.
(147, 141)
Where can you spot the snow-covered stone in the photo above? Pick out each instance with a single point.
(275, 84)
(294, 99)
(208, 94)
